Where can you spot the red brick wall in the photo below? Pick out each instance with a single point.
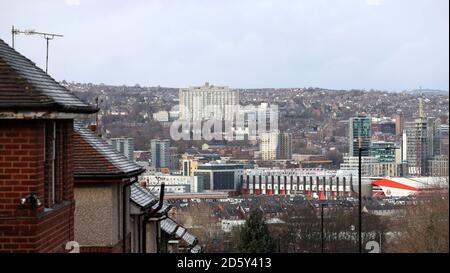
(22, 170)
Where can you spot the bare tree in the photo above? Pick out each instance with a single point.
(424, 226)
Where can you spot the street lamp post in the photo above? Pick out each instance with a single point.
(360, 149)
(321, 228)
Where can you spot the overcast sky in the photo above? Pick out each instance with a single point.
(336, 44)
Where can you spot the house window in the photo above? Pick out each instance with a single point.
(55, 165)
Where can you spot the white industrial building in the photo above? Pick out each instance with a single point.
(315, 183)
(173, 183)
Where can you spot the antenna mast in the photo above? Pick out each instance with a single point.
(47, 37)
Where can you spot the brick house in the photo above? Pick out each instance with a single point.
(36, 148)
(61, 183)
(103, 178)
(146, 213)
(111, 204)
(152, 229)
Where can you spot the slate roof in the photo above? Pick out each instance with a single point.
(93, 156)
(189, 238)
(142, 197)
(164, 209)
(24, 86)
(171, 227)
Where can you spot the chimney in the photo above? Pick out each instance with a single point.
(92, 127)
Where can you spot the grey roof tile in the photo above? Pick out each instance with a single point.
(142, 196)
(24, 86)
(122, 164)
(189, 238)
(169, 226)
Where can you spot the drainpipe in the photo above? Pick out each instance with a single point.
(125, 198)
(149, 214)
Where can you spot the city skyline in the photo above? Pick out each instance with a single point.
(214, 166)
(360, 44)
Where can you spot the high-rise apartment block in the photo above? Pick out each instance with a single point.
(124, 145)
(285, 146)
(160, 153)
(275, 145)
(207, 102)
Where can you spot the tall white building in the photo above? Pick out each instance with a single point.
(204, 102)
(275, 145)
(268, 145)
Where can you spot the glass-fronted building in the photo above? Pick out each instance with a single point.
(383, 151)
(220, 176)
(360, 130)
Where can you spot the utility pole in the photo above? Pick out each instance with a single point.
(47, 37)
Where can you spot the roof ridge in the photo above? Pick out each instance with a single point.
(44, 86)
(143, 189)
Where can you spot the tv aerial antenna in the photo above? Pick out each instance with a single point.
(47, 37)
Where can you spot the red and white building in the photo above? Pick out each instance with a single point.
(405, 186)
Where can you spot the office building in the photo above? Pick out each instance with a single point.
(220, 176)
(444, 139)
(371, 166)
(383, 151)
(360, 133)
(383, 125)
(438, 166)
